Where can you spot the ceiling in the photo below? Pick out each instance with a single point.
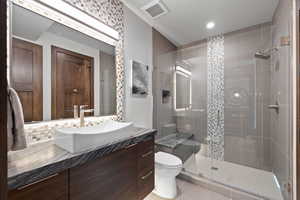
(187, 19)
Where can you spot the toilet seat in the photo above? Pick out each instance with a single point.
(167, 160)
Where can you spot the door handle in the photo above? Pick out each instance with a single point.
(274, 107)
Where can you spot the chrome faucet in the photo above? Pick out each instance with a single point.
(82, 111)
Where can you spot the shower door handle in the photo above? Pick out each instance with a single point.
(274, 107)
(218, 118)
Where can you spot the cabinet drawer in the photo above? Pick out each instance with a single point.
(145, 184)
(145, 147)
(52, 188)
(146, 162)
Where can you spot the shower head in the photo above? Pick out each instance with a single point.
(265, 54)
(262, 55)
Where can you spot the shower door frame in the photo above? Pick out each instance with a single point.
(3, 100)
(296, 137)
(296, 99)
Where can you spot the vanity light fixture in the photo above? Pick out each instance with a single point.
(81, 16)
(72, 17)
(210, 25)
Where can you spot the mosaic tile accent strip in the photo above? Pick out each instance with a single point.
(215, 97)
(44, 131)
(111, 13)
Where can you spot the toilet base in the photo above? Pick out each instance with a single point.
(165, 187)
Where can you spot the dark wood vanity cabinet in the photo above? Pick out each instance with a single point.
(112, 177)
(126, 174)
(54, 187)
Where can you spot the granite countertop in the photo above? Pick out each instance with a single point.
(45, 159)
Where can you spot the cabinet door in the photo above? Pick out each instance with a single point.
(112, 177)
(52, 188)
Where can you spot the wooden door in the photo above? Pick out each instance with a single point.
(112, 177)
(72, 82)
(27, 77)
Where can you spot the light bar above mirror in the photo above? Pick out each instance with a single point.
(72, 17)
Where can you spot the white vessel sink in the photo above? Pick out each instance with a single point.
(77, 140)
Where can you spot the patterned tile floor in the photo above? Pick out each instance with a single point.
(189, 191)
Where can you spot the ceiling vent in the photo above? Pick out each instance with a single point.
(155, 9)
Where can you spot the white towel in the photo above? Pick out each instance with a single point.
(16, 139)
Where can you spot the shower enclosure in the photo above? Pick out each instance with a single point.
(230, 109)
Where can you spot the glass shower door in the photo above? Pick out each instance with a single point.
(194, 119)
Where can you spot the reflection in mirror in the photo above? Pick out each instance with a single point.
(55, 69)
(183, 89)
(107, 84)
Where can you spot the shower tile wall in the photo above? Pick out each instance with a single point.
(280, 90)
(247, 92)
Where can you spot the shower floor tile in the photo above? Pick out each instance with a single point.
(251, 180)
(189, 191)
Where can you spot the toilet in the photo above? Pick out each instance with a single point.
(167, 167)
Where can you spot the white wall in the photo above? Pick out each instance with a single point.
(48, 39)
(137, 46)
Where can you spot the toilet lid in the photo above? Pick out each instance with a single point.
(167, 159)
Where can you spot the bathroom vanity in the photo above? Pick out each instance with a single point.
(123, 170)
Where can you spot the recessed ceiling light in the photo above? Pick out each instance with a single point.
(210, 25)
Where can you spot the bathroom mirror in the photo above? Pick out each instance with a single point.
(55, 67)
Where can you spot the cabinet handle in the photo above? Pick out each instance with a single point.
(147, 154)
(132, 145)
(147, 175)
(39, 181)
